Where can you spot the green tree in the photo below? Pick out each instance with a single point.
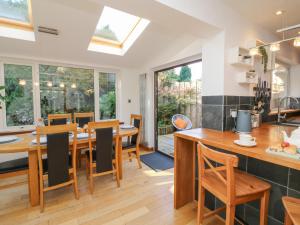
(168, 78)
(108, 105)
(185, 74)
(107, 33)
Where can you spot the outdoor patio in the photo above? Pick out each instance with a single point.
(166, 144)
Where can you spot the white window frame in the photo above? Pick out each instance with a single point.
(36, 89)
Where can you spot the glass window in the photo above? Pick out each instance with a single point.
(15, 10)
(107, 95)
(279, 85)
(66, 90)
(115, 25)
(18, 91)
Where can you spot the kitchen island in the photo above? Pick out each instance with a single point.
(282, 173)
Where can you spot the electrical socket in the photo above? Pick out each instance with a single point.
(233, 113)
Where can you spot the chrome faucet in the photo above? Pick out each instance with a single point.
(279, 117)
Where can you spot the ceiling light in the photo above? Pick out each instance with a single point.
(253, 51)
(49, 84)
(22, 82)
(36, 83)
(275, 47)
(279, 12)
(297, 42)
(73, 85)
(62, 85)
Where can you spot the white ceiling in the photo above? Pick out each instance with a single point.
(263, 12)
(76, 21)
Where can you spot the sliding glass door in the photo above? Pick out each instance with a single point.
(177, 91)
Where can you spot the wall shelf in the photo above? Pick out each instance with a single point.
(239, 56)
(247, 78)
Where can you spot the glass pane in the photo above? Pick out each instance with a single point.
(14, 10)
(107, 94)
(18, 89)
(178, 91)
(115, 25)
(66, 90)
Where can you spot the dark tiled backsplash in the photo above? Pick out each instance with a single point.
(216, 110)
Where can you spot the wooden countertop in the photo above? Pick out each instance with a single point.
(265, 135)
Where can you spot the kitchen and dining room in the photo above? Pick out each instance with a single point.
(149, 112)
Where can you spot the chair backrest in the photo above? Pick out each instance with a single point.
(59, 119)
(137, 121)
(228, 162)
(57, 152)
(106, 132)
(83, 118)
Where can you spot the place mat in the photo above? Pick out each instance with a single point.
(12, 142)
(284, 154)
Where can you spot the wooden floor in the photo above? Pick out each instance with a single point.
(145, 197)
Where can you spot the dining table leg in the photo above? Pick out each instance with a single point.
(120, 160)
(33, 178)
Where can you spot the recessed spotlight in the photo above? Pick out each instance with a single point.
(279, 12)
(62, 85)
(73, 85)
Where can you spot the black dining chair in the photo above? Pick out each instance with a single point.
(59, 119)
(83, 119)
(101, 157)
(59, 169)
(132, 146)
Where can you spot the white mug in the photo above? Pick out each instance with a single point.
(246, 138)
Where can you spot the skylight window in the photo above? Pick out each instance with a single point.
(15, 19)
(116, 31)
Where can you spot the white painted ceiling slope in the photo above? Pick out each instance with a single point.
(76, 21)
(262, 12)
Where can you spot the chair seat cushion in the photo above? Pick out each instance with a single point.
(245, 184)
(126, 145)
(180, 123)
(14, 165)
(94, 155)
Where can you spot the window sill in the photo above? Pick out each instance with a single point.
(275, 112)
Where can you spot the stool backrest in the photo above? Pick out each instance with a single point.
(214, 162)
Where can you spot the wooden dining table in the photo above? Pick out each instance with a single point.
(24, 144)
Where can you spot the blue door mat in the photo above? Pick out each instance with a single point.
(158, 161)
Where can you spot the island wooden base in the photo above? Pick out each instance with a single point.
(282, 173)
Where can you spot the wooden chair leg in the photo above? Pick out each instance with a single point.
(138, 158)
(87, 165)
(79, 159)
(41, 197)
(287, 220)
(230, 214)
(129, 155)
(75, 185)
(264, 205)
(91, 177)
(201, 201)
(117, 173)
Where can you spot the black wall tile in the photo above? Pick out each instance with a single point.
(213, 100)
(212, 117)
(232, 100)
(294, 179)
(245, 100)
(269, 171)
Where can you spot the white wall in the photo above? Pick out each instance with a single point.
(294, 87)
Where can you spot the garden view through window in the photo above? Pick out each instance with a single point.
(107, 95)
(53, 89)
(19, 95)
(178, 92)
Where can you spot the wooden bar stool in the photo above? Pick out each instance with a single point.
(231, 186)
(292, 210)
